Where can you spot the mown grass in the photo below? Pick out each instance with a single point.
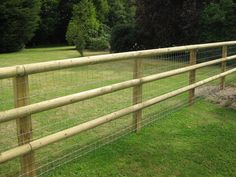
(42, 54)
(60, 83)
(194, 141)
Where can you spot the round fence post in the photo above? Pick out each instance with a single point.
(223, 65)
(24, 125)
(192, 75)
(137, 93)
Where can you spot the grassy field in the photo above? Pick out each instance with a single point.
(198, 141)
(35, 55)
(50, 85)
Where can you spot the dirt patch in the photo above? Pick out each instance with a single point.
(225, 98)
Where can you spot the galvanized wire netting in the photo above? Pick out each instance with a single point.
(55, 84)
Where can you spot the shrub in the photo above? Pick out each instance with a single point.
(75, 36)
(100, 43)
(19, 20)
(102, 40)
(124, 38)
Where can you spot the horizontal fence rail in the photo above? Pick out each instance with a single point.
(34, 145)
(62, 101)
(68, 63)
(24, 110)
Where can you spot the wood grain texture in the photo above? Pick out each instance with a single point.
(74, 98)
(34, 68)
(24, 125)
(192, 75)
(223, 65)
(42, 142)
(137, 93)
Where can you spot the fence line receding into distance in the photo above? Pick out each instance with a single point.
(23, 111)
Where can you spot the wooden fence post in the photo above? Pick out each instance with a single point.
(192, 75)
(24, 125)
(137, 93)
(223, 65)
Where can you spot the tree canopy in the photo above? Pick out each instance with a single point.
(179, 22)
(83, 25)
(218, 20)
(99, 24)
(19, 20)
(169, 22)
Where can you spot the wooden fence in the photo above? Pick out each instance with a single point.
(23, 110)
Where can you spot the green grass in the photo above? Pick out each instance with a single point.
(197, 141)
(55, 84)
(35, 55)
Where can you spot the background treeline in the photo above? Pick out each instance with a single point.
(179, 22)
(118, 25)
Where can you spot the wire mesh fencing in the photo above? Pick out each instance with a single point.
(54, 84)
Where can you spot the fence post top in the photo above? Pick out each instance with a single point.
(20, 70)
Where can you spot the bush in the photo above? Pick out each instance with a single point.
(75, 36)
(105, 32)
(124, 38)
(99, 43)
(102, 40)
(19, 20)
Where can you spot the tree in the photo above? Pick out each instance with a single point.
(218, 20)
(83, 25)
(19, 20)
(157, 21)
(65, 9)
(121, 12)
(102, 10)
(169, 22)
(75, 36)
(124, 38)
(189, 22)
(48, 23)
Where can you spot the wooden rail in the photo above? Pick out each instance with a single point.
(42, 142)
(23, 111)
(70, 99)
(34, 68)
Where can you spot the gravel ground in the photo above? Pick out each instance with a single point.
(225, 98)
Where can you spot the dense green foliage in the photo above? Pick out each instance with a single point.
(158, 23)
(83, 25)
(170, 22)
(121, 12)
(98, 44)
(102, 9)
(218, 21)
(48, 23)
(106, 15)
(59, 13)
(18, 21)
(123, 38)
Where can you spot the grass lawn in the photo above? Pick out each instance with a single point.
(42, 54)
(164, 148)
(197, 141)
